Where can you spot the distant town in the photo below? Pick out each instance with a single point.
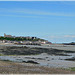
(9, 39)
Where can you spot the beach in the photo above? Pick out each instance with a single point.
(37, 59)
(7, 67)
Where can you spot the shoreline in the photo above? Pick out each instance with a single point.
(54, 46)
(22, 68)
(49, 58)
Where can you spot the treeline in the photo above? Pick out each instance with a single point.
(20, 39)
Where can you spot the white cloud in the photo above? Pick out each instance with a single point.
(63, 36)
(22, 16)
(36, 12)
(69, 36)
(61, 39)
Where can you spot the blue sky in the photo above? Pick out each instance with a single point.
(53, 21)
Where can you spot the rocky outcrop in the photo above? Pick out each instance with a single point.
(14, 50)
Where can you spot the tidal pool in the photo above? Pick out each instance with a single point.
(44, 60)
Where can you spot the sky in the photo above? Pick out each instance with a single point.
(50, 20)
(37, 0)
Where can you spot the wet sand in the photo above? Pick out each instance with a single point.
(50, 60)
(54, 46)
(43, 60)
(7, 67)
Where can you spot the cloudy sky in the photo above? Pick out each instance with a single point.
(51, 20)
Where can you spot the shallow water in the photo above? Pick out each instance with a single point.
(44, 60)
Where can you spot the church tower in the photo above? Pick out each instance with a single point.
(4, 35)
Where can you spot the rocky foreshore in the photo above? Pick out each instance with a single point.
(35, 60)
(23, 50)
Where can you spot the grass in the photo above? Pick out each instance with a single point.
(7, 55)
(72, 69)
(68, 69)
(33, 49)
(1, 54)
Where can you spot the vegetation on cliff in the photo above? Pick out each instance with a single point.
(21, 39)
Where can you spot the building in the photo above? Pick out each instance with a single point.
(7, 35)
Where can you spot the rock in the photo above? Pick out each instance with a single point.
(30, 61)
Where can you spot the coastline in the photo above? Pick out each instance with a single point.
(54, 46)
(22, 68)
(48, 58)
